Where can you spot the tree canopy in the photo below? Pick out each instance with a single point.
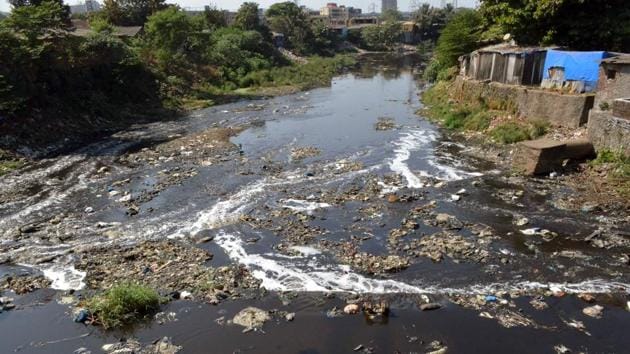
(577, 24)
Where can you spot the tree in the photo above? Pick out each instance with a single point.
(247, 17)
(391, 15)
(460, 36)
(381, 37)
(36, 21)
(214, 17)
(166, 33)
(22, 3)
(131, 12)
(430, 21)
(569, 23)
(288, 19)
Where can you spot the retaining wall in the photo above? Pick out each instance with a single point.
(567, 110)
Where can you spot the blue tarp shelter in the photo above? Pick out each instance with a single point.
(563, 66)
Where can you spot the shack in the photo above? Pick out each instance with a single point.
(573, 72)
(505, 63)
(614, 80)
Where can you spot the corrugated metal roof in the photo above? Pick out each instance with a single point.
(507, 48)
(621, 58)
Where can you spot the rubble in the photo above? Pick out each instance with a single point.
(251, 318)
(385, 123)
(301, 153)
(168, 266)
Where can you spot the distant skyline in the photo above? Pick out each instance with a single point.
(403, 5)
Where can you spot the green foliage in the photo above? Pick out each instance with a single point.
(214, 17)
(131, 12)
(381, 37)
(318, 71)
(123, 304)
(288, 19)
(35, 22)
(100, 25)
(569, 23)
(167, 33)
(391, 15)
(430, 20)
(460, 36)
(247, 17)
(479, 121)
(510, 132)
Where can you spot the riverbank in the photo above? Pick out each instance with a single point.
(492, 127)
(335, 208)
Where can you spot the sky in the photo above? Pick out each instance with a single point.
(403, 5)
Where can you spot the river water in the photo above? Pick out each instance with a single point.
(413, 160)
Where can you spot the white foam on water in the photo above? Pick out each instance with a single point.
(303, 205)
(309, 273)
(281, 274)
(64, 276)
(409, 141)
(306, 251)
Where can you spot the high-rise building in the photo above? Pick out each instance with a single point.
(389, 5)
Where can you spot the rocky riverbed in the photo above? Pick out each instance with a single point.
(333, 220)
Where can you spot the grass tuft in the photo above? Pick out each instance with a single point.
(123, 304)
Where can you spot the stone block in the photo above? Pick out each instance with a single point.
(621, 108)
(538, 156)
(608, 132)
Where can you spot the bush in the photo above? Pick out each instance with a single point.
(479, 121)
(510, 132)
(123, 304)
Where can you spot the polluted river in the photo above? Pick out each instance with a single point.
(354, 223)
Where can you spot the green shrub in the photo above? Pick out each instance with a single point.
(619, 161)
(123, 304)
(537, 128)
(510, 132)
(479, 121)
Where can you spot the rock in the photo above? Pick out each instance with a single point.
(590, 207)
(27, 229)
(251, 318)
(125, 198)
(82, 316)
(594, 311)
(290, 316)
(351, 309)
(587, 297)
(164, 346)
(439, 185)
(448, 221)
(561, 349)
(430, 306)
(103, 169)
(521, 221)
(392, 198)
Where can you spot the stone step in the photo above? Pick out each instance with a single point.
(535, 157)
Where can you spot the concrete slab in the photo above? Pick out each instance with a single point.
(542, 156)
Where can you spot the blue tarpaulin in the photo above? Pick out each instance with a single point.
(578, 66)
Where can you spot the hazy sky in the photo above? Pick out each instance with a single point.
(403, 5)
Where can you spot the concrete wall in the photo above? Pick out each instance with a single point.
(558, 109)
(609, 132)
(609, 89)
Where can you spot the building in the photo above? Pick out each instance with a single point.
(87, 7)
(331, 10)
(505, 63)
(574, 72)
(389, 5)
(609, 120)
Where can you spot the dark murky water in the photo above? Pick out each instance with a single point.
(340, 122)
